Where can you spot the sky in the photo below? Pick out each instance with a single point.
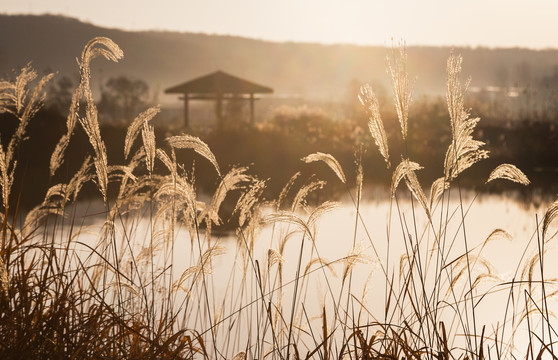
(490, 23)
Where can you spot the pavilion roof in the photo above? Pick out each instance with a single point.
(218, 82)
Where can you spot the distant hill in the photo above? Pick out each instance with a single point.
(164, 59)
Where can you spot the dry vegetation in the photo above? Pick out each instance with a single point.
(149, 283)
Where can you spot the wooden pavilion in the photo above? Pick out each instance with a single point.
(218, 86)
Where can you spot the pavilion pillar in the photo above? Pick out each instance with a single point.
(219, 110)
(252, 108)
(186, 112)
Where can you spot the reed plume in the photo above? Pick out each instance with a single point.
(99, 46)
(375, 125)
(18, 99)
(402, 90)
(463, 151)
(508, 172)
(136, 126)
(330, 161)
(194, 143)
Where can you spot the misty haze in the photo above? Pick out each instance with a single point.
(188, 195)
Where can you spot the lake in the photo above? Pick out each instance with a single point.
(346, 257)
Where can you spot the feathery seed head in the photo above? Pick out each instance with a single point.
(375, 125)
(508, 172)
(330, 161)
(402, 90)
(194, 143)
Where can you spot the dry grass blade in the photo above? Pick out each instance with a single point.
(20, 87)
(484, 278)
(454, 93)
(56, 191)
(463, 151)
(406, 170)
(147, 252)
(508, 172)
(122, 285)
(247, 201)
(323, 263)
(285, 190)
(7, 178)
(129, 183)
(91, 127)
(274, 257)
(110, 51)
(188, 273)
(402, 90)
(136, 126)
(79, 178)
(401, 171)
(6, 96)
(121, 172)
(437, 189)
(90, 122)
(321, 210)
(330, 161)
(181, 188)
(36, 215)
(176, 192)
(375, 125)
(498, 234)
(357, 255)
(20, 100)
(359, 179)
(166, 160)
(287, 217)
(148, 136)
(194, 143)
(549, 216)
(231, 181)
(240, 356)
(205, 261)
(35, 101)
(4, 278)
(57, 156)
(300, 197)
(414, 186)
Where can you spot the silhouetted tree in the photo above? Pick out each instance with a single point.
(59, 95)
(122, 98)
